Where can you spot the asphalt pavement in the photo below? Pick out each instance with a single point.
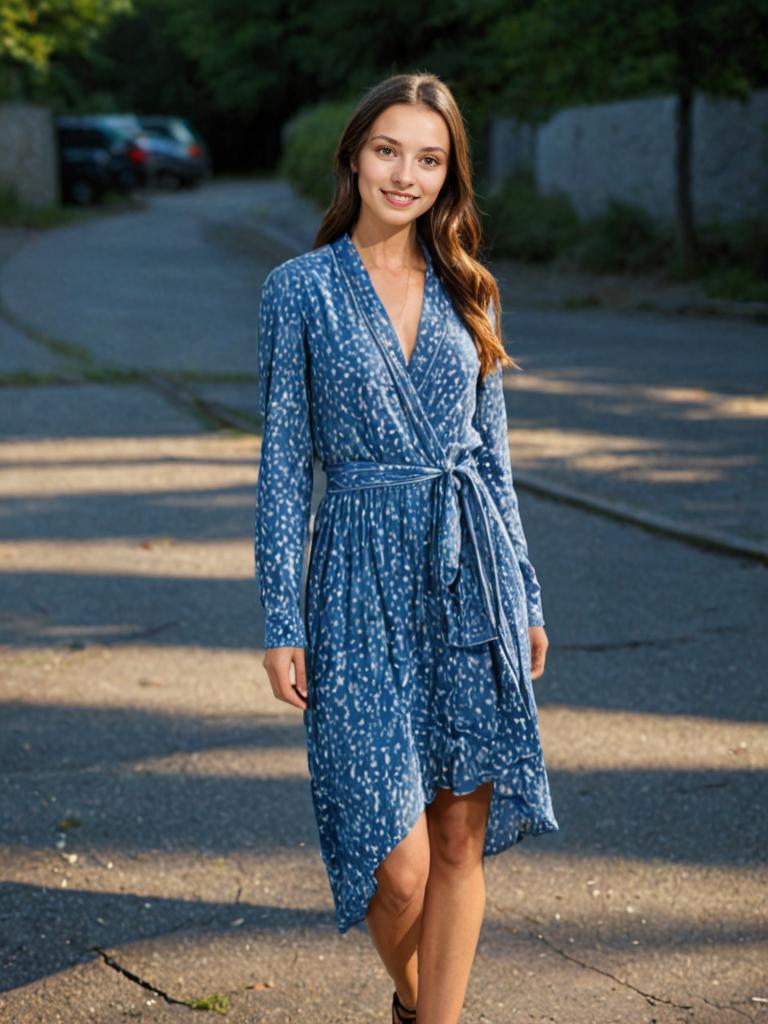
(157, 842)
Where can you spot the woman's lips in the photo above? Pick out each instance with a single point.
(398, 200)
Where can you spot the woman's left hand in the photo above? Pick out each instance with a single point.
(539, 645)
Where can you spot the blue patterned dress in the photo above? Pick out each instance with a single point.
(419, 590)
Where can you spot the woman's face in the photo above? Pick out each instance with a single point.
(407, 151)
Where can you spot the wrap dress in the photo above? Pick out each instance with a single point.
(414, 602)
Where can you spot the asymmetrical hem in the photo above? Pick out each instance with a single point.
(514, 817)
(414, 602)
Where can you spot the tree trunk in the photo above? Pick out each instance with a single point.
(686, 231)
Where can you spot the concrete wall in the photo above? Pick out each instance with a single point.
(28, 155)
(511, 147)
(627, 150)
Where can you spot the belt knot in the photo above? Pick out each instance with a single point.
(463, 547)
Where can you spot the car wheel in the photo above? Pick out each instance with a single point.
(126, 181)
(168, 181)
(82, 192)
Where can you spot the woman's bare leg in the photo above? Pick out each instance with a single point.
(394, 913)
(454, 902)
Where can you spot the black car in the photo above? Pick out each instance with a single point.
(98, 152)
(181, 157)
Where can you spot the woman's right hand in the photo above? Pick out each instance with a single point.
(277, 662)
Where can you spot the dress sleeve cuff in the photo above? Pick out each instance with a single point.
(284, 628)
(535, 617)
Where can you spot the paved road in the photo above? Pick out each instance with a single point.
(155, 801)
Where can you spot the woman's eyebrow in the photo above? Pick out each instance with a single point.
(424, 149)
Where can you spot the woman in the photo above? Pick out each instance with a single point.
(381, 354)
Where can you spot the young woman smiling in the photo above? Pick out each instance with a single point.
(381, 354)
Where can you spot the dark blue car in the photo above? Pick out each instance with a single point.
(100, 152)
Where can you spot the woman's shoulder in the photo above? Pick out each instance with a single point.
(303, 272)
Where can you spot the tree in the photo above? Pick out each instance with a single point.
(31, 31)
(561, 52)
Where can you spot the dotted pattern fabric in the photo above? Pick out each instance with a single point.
(419, 587)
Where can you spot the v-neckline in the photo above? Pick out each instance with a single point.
(382, 309)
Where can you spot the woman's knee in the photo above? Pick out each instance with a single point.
(397, 890)
(457, 829)
(402, 876)
(457, 847)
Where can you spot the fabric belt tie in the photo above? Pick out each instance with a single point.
(466, 574)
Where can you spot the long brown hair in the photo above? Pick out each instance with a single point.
(450, 228)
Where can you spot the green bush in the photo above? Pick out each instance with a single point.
(623, 237)
(738, 283)
(523, 224)
(16, 214)
(735, 255)
(307, 160)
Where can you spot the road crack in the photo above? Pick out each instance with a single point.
(650, 998)
(217, 1002)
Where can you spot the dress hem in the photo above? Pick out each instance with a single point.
(528, 827)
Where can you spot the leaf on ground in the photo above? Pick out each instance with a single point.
(216, 1002)
(67, 823)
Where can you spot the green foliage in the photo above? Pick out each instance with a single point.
(737, 283)
(16, 214)
(137, 64)
(523, 224)
(623, 237)
(216, 1002)
(557, 53)
(735, 256)
(308, 156)
(744, 241)
(31, 31)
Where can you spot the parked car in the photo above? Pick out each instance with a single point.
(101, 151)
(181, 156)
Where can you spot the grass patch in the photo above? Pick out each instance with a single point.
(16, 214)
(216, 1002)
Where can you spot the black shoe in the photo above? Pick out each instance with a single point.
(401, 1014)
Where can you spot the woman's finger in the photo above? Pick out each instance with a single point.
(539, 644)
(278, 662)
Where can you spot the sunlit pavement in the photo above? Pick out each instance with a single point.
(156, 804)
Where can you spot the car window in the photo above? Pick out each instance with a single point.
(169, 129)
(83, 137)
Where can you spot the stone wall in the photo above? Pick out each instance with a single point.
(627, 150)
(28, 152)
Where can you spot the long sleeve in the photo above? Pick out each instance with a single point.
(495, 467)
(284, 487)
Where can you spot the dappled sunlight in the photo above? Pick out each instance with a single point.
(191, 448)
(166, 681)
(238, 760)
(625, 901)
(126, 465)
(629, 457)
(633, 741)
(151, 556)
(626, 398)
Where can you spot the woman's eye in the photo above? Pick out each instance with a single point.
(388, 149)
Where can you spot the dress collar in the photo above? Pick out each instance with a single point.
(432, 318)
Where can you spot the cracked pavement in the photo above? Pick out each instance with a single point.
(157, 843)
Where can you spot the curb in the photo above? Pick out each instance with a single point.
(711, 540)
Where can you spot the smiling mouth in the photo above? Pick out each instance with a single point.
(400, 198)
